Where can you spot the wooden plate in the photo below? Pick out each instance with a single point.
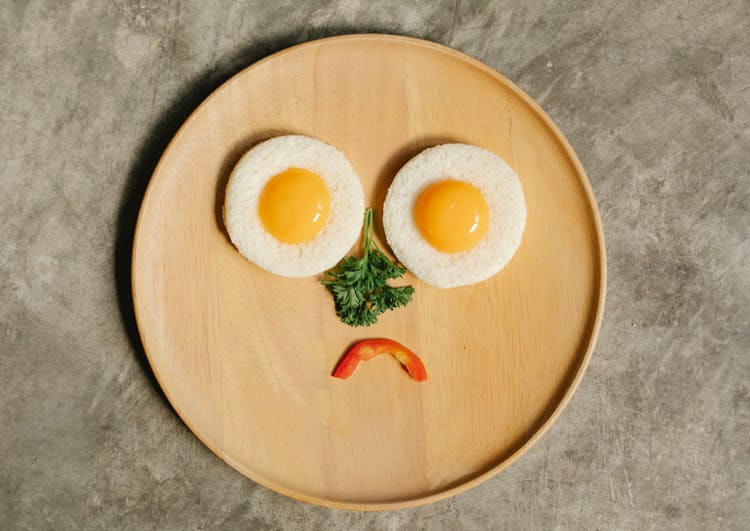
(245, 356)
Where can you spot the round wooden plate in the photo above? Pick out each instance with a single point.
(245, 357)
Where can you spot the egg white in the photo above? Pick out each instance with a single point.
(245, 226)
(502, 191)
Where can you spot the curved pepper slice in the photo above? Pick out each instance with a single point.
(369, 348)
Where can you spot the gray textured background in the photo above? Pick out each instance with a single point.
(654, 97)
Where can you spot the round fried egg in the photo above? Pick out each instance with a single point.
(294, 206)
(454, 215)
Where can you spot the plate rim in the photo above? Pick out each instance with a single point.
(461, 486)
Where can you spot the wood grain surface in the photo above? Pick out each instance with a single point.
(245, 356)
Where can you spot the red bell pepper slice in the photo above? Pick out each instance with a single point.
(369, 348)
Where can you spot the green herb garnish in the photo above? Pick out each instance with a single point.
(359, 285)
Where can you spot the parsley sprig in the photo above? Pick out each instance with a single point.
(359, 285)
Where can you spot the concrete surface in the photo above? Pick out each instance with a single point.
(655, 98)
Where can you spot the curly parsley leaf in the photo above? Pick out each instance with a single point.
(359, 285)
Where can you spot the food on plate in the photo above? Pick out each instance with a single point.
(293, 206)
(454, 215)
(369, 348)
(359, 285)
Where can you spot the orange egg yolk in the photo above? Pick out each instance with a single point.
(294, 205)
(452, 216)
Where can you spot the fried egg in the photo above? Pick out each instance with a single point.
(454, 215)
(294, 206)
